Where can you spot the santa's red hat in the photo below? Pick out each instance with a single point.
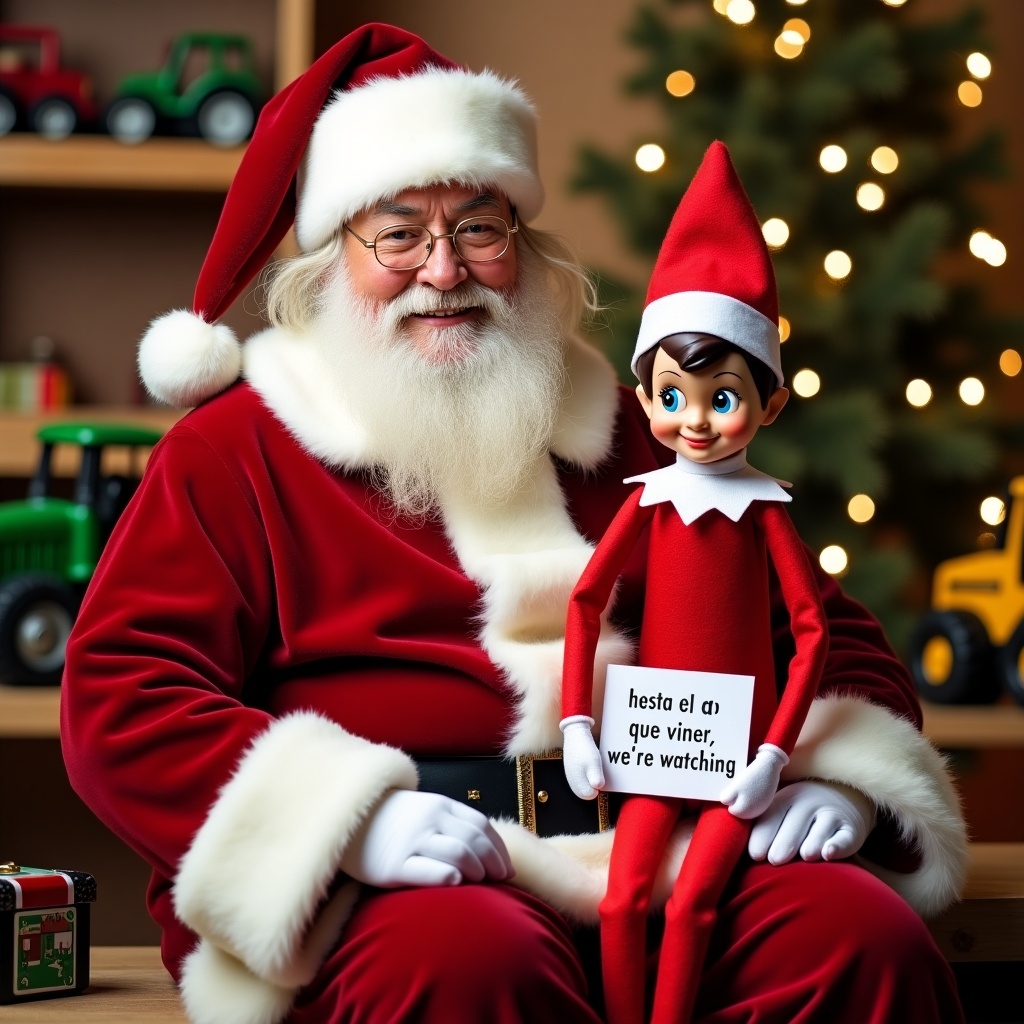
(714, 273)
(378, 113)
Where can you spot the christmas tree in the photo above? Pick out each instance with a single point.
(839, 116)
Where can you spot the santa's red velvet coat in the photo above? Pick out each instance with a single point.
(263, 645)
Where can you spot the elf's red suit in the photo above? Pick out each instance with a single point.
(706, 609)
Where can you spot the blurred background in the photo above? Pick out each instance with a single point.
(882, 145)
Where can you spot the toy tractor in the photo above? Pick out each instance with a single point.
(36, 92)
(49, 547)
(971, 644)
(208, 86)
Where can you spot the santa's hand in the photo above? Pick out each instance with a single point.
(413, 838)
(750, 793)
(580, 757)
(818, 820)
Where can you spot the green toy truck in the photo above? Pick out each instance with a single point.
(49, 547)
(208, 86)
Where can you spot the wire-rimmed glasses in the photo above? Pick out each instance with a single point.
(408, 246)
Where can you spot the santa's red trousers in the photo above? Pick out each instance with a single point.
(801, 943)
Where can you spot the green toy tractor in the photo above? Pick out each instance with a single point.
(49, 547)
(208, 87)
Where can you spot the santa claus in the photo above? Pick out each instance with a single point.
(343, 584)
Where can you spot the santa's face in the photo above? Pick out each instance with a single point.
(710, 414)
(438, 308)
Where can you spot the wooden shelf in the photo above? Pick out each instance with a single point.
(29, 712)
(100, 162)
(34, 712)
(972, 726)
(19, 449)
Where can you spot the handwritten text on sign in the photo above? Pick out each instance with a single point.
(674, 733)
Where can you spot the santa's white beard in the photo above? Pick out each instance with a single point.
(465, 421)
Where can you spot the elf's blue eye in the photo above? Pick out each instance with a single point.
(725, 400)
(672, 399)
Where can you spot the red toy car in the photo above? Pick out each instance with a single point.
(36, 93)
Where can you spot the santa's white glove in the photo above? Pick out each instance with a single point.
(413, 838)
(750, 793)
(580, 757)
(818, 820)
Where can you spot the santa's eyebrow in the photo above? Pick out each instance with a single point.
(391, 209)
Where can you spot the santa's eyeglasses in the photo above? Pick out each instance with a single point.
(408, 246)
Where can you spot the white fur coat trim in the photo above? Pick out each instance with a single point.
(263, 862)
(526, 556)
(865, 746)
(392, 134)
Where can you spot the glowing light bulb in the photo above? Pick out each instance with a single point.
(650, 157)
(796, 3)
(776, 232)
(838, 265)
(979, 65)
(740, 12)
(969, 94)
(870, 196)
(720, 5)
(834, 560)
(784, 328)
(1010, 362)
(894, 3)
(972, 391)
(884, 160)
(978, 243)
(860, 508)
(833, 158)
(800, 27)
(789, 45)
(996, 254)
(806, 383)
(993, 511)
(680, 83)
(919, 393)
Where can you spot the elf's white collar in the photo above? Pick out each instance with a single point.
(729, 485)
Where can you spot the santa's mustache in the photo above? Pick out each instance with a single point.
(422, 300)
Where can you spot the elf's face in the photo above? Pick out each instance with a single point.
(707, 415)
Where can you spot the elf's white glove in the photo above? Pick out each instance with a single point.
(580, 757)
(750, 793)
(818, 820)
(413, 838)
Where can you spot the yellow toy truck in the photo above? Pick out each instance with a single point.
(971, 644)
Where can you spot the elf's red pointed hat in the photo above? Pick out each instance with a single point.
(714, 274)
(401, 116)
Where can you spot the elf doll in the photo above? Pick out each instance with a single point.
(710, 375)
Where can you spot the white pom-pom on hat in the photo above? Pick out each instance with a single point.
(183, 359)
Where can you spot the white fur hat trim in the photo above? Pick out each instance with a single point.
(414, 131)
(711, 313)
(184, 360)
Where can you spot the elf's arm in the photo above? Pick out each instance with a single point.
(581, 759)
(750, 794)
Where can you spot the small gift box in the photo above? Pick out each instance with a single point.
(44, 932)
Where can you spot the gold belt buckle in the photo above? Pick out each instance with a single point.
(530, 795)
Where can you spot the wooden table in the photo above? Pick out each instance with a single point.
(988, 925)
(128, 985)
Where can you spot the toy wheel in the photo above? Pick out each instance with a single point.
(1011, 664)
(36, 615)
(226, 118)
(53, 118)
(951, 660)
(131, 119)
(8, 113)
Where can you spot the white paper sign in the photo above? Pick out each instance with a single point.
(667, 732)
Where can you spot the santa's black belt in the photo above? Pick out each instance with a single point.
(531, 788)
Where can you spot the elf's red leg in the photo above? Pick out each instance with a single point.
(719, 840)
(641, 836)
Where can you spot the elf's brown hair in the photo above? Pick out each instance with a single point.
(695, 352)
